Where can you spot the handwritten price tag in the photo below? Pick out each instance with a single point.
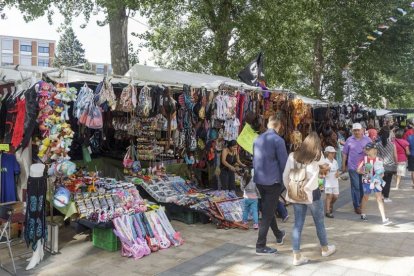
(5, 147)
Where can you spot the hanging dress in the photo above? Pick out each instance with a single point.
(35, 222)
(18, 130)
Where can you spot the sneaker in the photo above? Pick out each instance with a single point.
(285, 218)
(255, 226)
(279, 240)
(364, 217)
(387, 200)
(329, 252)
(329, 215)
(386, 222)
(265, 251)
(301, 261)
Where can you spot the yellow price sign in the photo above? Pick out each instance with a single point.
(5, 147)
(246, 138)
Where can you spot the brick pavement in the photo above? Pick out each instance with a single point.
(364, 248)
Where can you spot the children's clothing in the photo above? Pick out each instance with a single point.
(372, 169)
(331, 181)
(251, 205)
(251, 195)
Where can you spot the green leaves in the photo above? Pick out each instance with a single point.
(314, 47)
(307, 43)
(70, 51)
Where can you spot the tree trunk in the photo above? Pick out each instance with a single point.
(317, 65)
(221, 25)
(118, 29)
(222, 38)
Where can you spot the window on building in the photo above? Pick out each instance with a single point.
(25, 48)
(26, 61)
(6, 59)
(7, 45)
(100, 69)
(44, 62)
(44, 49)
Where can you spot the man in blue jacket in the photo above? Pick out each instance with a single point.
(269, 160)
(409, 136)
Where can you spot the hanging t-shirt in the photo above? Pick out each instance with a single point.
(331, 181)
(9, 168)
(231, 129)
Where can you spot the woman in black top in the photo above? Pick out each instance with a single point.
(388, 153)
(230, 161)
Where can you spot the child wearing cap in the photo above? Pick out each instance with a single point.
(371, 168)
(331, 181)
(251, 198)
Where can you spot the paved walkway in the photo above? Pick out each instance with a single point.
(364, 248)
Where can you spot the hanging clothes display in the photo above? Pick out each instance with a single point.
(9, 169)
(11, 115)
(35, 221)
(31, 110)
(3, 115)
(18, 131)
(24, 158)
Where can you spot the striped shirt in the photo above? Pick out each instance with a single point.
(387, 155)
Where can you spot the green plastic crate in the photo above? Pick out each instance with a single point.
(185, 216)
(105, 239)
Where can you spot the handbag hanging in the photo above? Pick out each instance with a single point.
(94, 119)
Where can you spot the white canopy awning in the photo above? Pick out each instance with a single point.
(70, 76)
(311, 101)
(156, 75)
(382, 112)
(10, 74)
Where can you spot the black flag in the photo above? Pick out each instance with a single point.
(253, 73)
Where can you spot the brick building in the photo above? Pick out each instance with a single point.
(26, 51)
(101, 68)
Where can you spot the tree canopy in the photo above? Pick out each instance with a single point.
(322, 48)
(70, 50)
(313, 47)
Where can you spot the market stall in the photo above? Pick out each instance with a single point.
(125, 153)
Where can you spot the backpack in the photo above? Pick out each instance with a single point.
(144, 102)
(125, 100)
(297, 181)
(94, 119)
(105, 96)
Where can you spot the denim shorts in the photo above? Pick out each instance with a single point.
(332, 190)
(368, 190)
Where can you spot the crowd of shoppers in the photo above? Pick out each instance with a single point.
(371, 157)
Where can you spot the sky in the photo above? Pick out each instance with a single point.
(95, 39)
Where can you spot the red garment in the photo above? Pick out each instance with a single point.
(241, 98)
(401, 145)
(408, 133)
(373, 134)
(19, 124)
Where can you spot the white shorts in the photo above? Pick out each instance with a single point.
(332, 190)
(401, 168)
